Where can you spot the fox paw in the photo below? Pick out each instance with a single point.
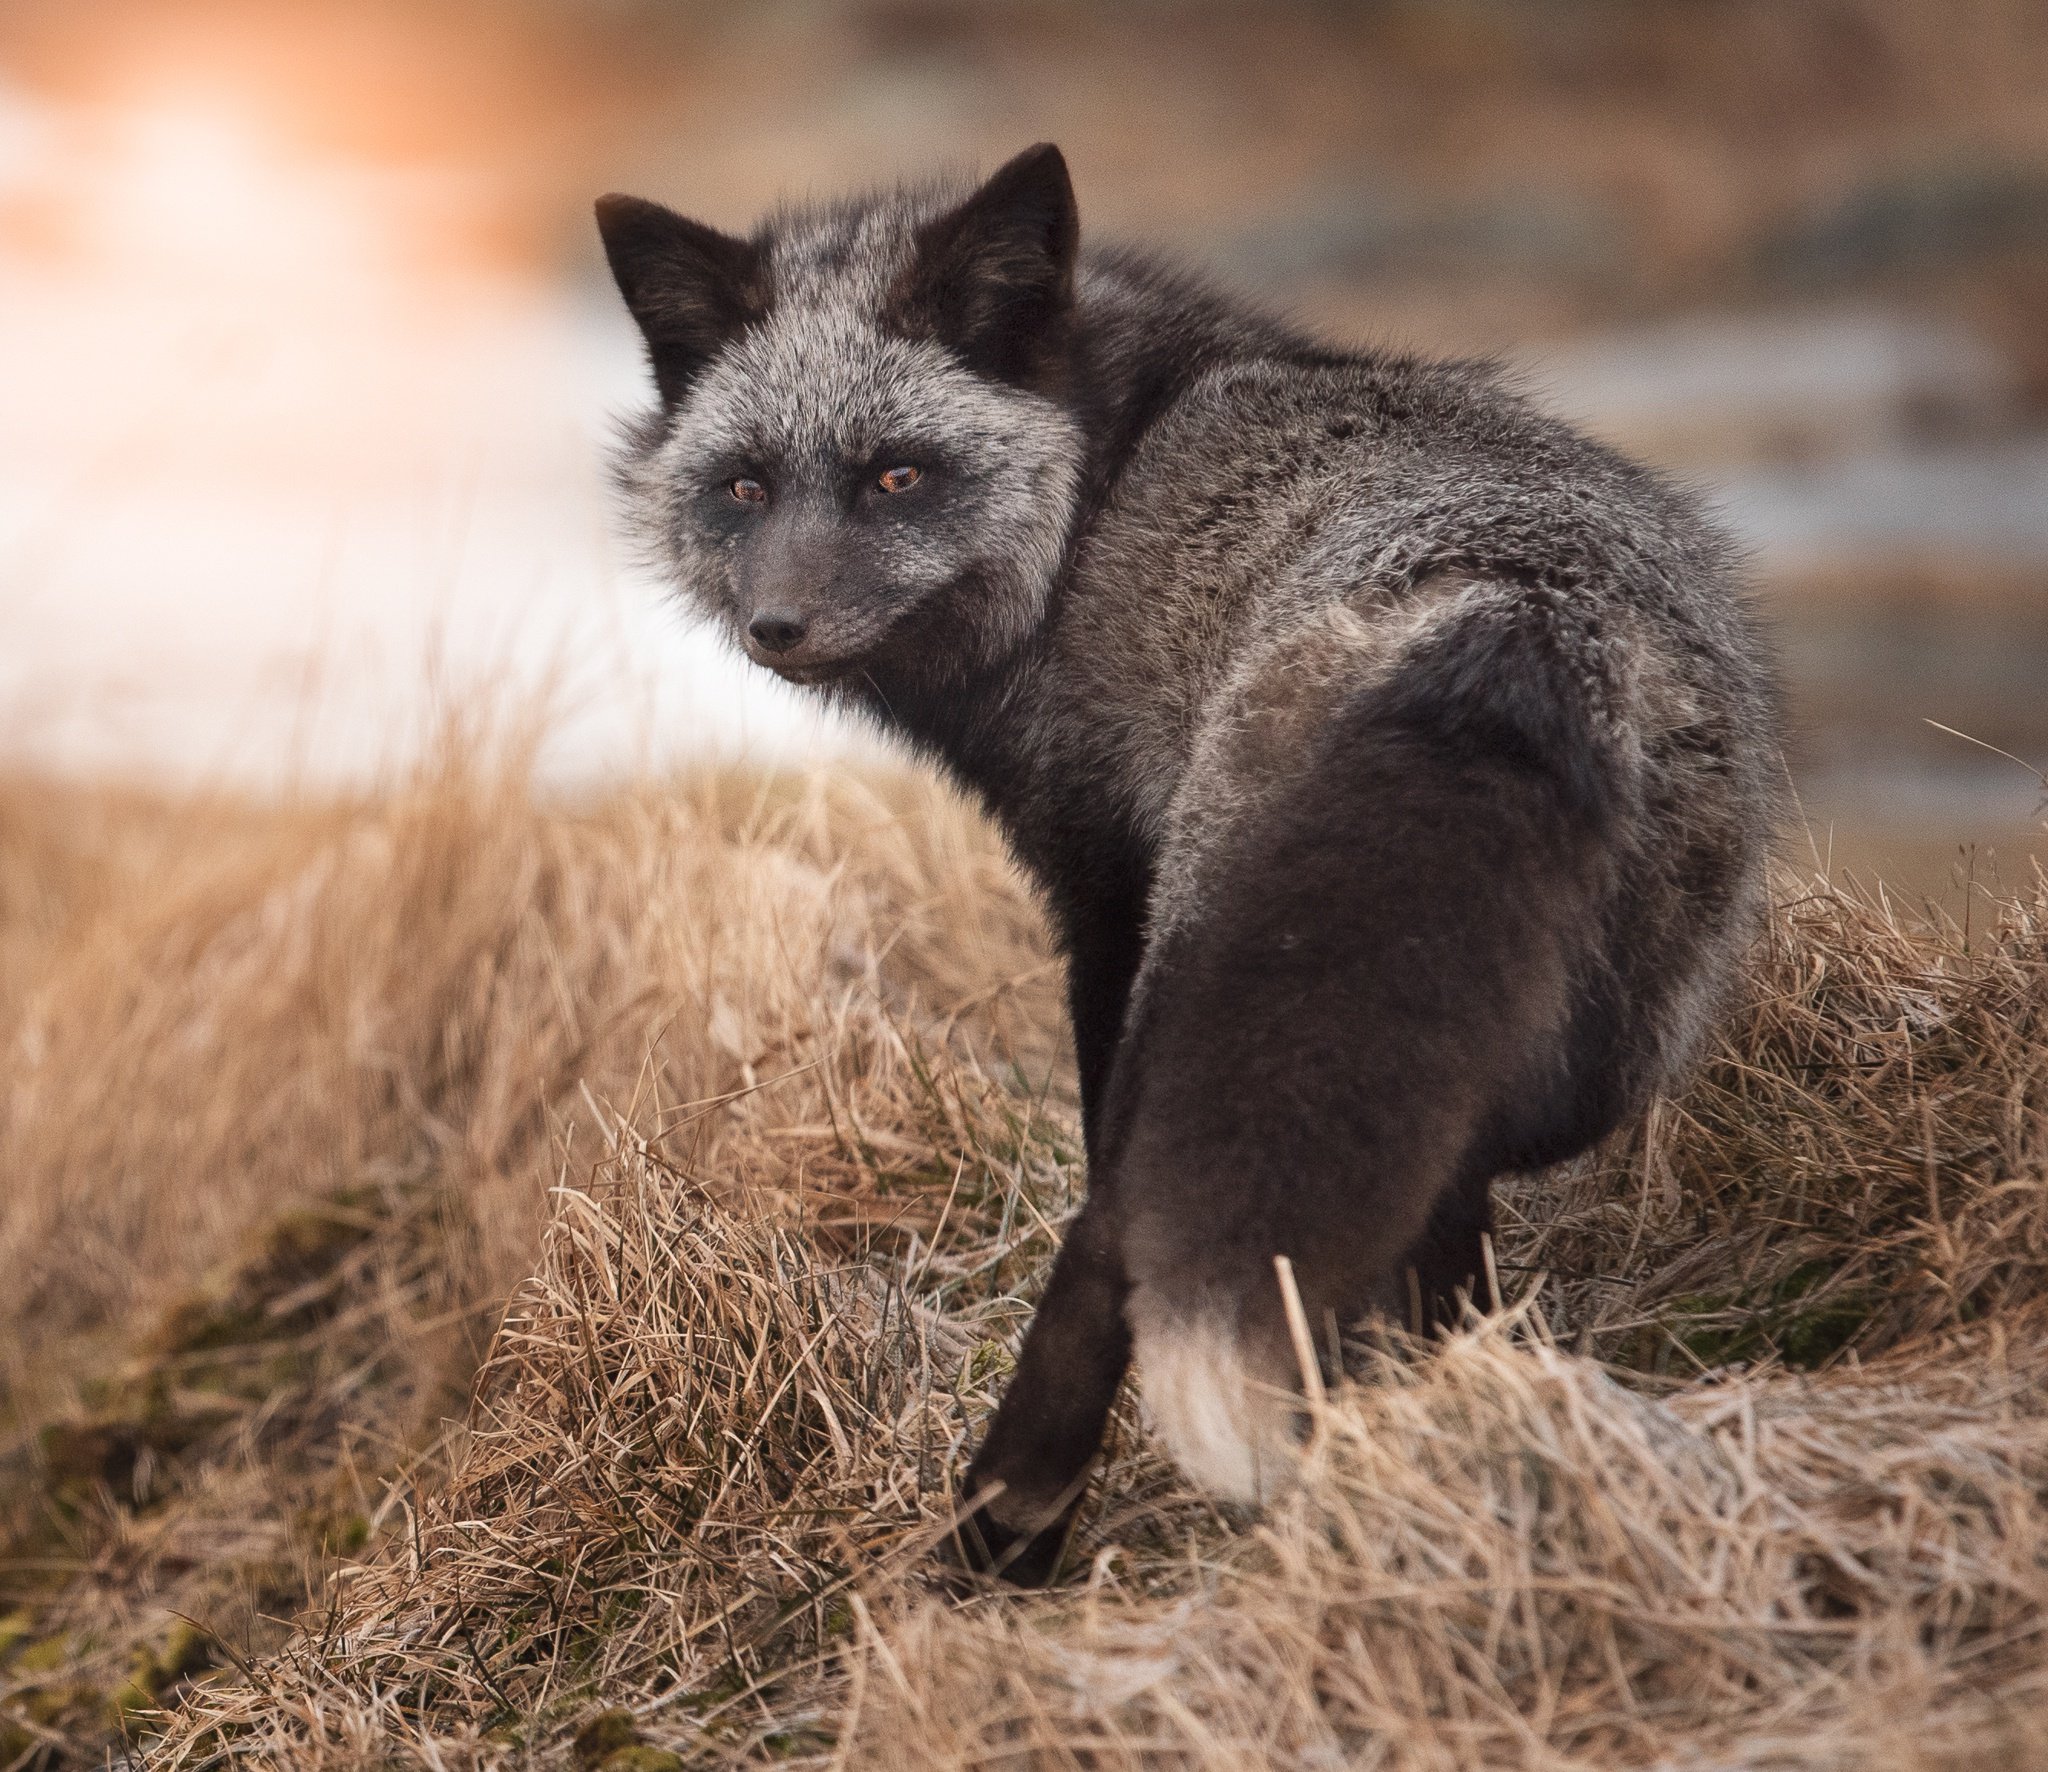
(982, 1545)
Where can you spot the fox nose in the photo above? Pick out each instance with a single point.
(777, 630)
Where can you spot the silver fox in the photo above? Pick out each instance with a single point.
(1397, 765)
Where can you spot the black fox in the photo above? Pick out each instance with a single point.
(1397, 765)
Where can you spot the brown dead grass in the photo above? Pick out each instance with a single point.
(286, 1093)
(743, 1094)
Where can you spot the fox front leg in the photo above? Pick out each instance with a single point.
(1024, 1487)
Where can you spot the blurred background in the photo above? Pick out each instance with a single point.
(308, 358)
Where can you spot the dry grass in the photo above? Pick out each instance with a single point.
(286, 1094)
(744, 1095)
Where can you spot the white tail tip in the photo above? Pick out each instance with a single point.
(1230, 1427)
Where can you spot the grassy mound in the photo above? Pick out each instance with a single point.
(505, 1284)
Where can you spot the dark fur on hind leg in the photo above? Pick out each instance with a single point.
(1448, 1261)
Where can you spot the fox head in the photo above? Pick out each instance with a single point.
(860, 457)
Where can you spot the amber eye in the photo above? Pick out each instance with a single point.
(749, 492)
(900, 479)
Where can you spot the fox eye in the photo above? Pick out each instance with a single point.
(748, 492)
(900, 479)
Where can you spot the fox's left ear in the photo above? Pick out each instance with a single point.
(692, 289)
(994, 277)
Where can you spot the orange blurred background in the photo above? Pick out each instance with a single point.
(307, 358)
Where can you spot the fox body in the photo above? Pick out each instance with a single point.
(1396, 763)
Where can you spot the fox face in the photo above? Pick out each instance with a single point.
(860, 457)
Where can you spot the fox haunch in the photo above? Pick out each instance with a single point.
(1397, 765)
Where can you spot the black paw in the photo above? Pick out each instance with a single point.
(983, 1545)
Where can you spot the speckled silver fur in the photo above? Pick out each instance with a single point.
(1192, 594)
(819, 382)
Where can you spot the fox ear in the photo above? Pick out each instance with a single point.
(994, 277)
(691, 288)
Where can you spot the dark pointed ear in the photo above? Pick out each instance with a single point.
(994, 277)
(691, 288)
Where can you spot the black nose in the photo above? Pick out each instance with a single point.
(776, 630)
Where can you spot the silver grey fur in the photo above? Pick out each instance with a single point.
(817, 383)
